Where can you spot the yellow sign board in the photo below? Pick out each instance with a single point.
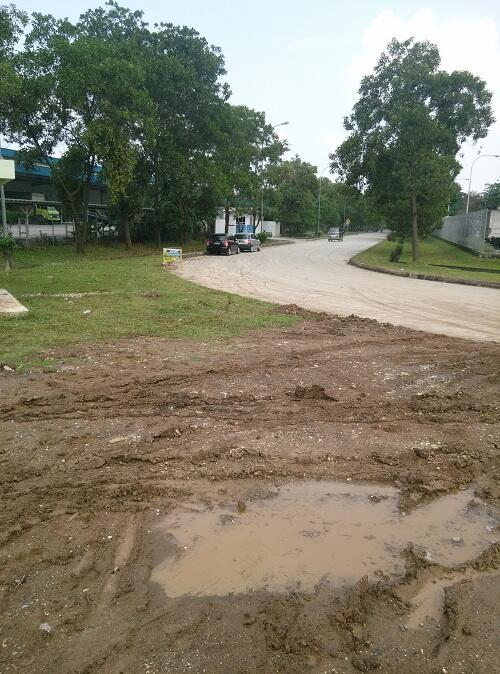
(171, 256)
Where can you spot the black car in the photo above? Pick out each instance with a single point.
(222, 244)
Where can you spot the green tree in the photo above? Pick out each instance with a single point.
(246, 145)
(12, 25)
(405, 131)
(492, 195)
(456, 199)
(294, 199)
(179, 132)
(74, 88)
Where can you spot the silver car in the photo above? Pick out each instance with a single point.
(334, 234)
(247, 241)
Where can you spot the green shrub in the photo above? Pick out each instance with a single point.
(396, 253)
(7, 247)
(263, 236)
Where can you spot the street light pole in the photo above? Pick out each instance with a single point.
(319, 199)
(470, 178)
(274, 126)
(3, 231)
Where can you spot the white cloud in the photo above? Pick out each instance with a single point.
(464, 44)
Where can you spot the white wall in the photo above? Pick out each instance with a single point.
(220, 225)
(494, 224)
(270, 226)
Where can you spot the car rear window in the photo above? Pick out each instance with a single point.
(218, 236)
(242, 236)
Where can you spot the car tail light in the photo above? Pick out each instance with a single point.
(225, 243)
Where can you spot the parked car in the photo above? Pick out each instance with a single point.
(334, 234)
(247, 241)
(222, 244)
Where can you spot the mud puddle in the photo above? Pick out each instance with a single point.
(313, 531)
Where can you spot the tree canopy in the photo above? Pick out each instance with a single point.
(492, 195)
(144, 108)
(405, 131)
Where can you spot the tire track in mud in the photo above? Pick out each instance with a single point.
(232, 433)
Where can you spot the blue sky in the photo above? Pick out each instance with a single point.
(301, 62)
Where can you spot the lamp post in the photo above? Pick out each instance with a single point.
(497, 156)
(319, 199)
(274, 126)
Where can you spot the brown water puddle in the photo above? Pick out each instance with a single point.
(311, 531)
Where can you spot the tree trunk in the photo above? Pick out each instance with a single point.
(8, 260)
(226, 219)
(156, 198)
(414, 228)
(125, 221)
(157, 233)
(79, 240)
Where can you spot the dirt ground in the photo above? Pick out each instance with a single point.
(118, 434)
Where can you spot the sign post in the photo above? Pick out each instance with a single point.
(171, 256)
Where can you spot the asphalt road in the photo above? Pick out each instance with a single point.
(315, 275)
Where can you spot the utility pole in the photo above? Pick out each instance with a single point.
(319, 200)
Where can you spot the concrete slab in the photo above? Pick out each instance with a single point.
(9, 304)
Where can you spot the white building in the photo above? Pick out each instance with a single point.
(243, 222)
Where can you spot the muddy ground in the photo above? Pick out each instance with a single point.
(120, 434)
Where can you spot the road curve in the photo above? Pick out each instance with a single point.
(315, 275)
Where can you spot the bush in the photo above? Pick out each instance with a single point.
(7, 247)
(263, 236)
(396, 253)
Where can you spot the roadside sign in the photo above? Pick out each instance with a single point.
(171, 256)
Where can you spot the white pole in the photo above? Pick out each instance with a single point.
(319, 199)
(4, 212)
(2, 199)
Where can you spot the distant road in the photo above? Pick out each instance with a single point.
(315, 275)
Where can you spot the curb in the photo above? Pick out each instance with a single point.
(424, 277)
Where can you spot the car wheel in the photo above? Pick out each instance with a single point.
(258, 249)
(229, 251)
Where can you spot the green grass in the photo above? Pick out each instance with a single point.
(433, 251)
(42, 255)
(122, 307)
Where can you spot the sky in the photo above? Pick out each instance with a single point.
(302, 61)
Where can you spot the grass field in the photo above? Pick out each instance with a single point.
(131, 295)
(434, 252)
